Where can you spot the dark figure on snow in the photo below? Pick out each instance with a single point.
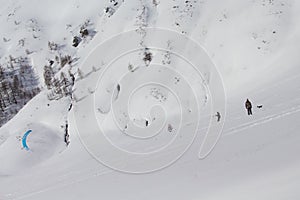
(66, 136)
(218, 115)
(248, 106)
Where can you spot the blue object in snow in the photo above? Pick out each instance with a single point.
(25, 138)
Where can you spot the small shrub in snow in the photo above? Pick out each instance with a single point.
(65, 60)
(84, 32)
(52, 46)
(76, 41)
(147, 57)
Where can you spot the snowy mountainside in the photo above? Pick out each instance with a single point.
(43, 39)
(253, 45)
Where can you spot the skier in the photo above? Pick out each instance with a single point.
(248, 106)
(218, 115)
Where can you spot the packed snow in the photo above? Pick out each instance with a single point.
(122, 112)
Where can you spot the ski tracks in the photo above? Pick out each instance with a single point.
(263, 120)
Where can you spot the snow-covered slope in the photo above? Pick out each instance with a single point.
(252, 44)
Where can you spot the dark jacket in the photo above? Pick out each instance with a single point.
(248, 104)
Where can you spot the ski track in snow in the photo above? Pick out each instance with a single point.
(228, 132)
(260, 121)
(222, 38)
(61, 185)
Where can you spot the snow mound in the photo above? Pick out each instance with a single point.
(43, 143)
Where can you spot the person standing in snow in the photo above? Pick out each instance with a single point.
(218, 115)
(248, 106)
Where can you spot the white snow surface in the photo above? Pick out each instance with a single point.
(253, 44)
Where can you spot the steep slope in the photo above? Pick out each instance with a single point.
(253, 45)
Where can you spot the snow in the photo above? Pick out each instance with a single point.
(248, 47)
(42, 142)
